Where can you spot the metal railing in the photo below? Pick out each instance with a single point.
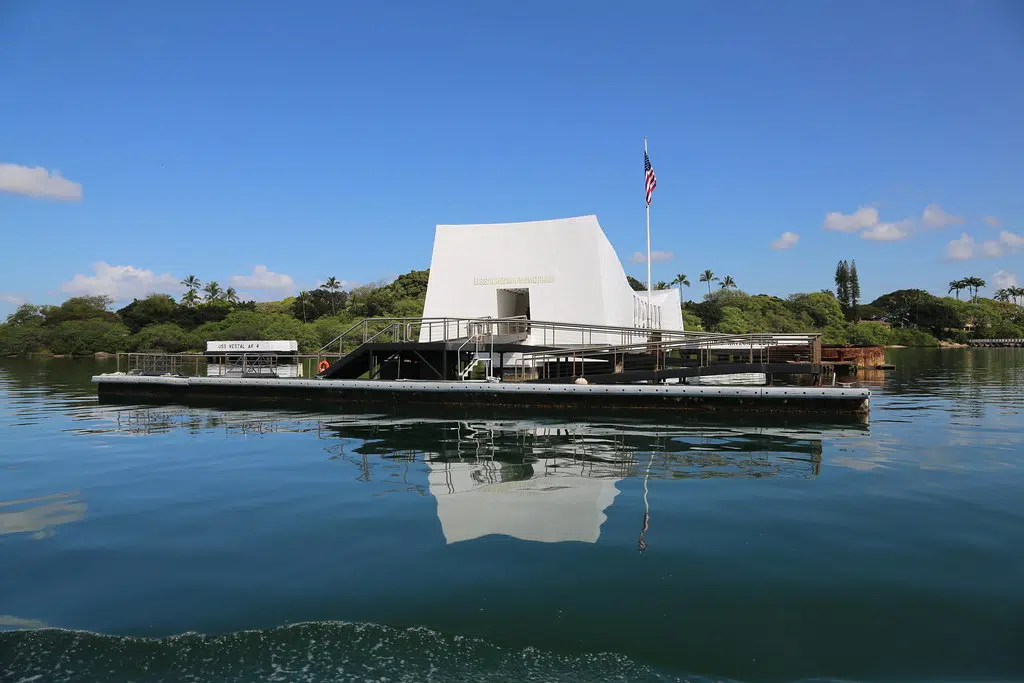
(758, 348)
(579, 341)
(538, 332)
(244, 364)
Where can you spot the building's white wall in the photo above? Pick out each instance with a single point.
(569, 266)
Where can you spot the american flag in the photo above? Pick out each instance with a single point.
(649, 178)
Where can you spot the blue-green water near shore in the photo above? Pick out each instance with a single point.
(189, 544)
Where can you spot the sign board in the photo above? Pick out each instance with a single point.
(280, 346)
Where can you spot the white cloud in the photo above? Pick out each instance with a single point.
(38, 182)
(120, 282)
(786, 240)
(889, 232)
(960, 249)
(993, 221)
(1010, 240)
(864, 217)
(12, 299)
(935, 217)
(991, 249)
(1001, 280)
(966, 248)
(656, 256)
(264, 280)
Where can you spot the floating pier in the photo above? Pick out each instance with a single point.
(385, 394)
(505, 363)
(997, 343)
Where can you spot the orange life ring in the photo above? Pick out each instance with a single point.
(322, 367)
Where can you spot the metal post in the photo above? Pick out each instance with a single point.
(647, 204)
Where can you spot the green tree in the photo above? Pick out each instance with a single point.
(956, 286)
(332, 285)
(163, 337)
(820, 308)
(636, 285)
(79, 308)
(843, 287)
(191, 283)
(854, 292)
(976, 283)
(154, 309)
(86, 337)
(213, 291)
(728, 282)
(708, 276)
(230, 295)
(25, 315)
(682, 281)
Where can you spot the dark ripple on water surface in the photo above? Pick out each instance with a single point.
(321, 652)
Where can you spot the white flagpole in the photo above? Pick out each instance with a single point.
(649, 309)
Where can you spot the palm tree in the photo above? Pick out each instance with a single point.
(230, 295)
(332, 285)
(191, 284)
(681, 280)
(213, 291)
(708, 277)
(1016, 292)
(974, 283)
(956, 286)
(302, 302)
(728, 282)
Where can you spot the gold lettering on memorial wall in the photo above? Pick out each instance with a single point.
(536, 280)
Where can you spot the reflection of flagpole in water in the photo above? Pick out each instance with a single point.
(641, 543)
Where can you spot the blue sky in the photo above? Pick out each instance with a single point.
(305, 140)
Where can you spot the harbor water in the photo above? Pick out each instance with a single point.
(176, 543)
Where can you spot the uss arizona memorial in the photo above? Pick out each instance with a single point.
(564, 270)
(537, 316)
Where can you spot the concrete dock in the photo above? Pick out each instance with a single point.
(506, 395)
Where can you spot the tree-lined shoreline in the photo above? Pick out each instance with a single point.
(87, 325)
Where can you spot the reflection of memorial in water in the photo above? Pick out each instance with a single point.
(143, 421)
(552, 500)
(556, 482)
(535, 480)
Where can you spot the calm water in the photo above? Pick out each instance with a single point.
(174, 543)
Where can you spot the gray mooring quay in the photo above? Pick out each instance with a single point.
(673, 397)
(506, 363)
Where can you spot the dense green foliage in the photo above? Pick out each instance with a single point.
(85, 325)
(910, 317)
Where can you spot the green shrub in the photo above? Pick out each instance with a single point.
(85, 337)
(908, 336)
(869, 334)
(163, 337)
(692, 322)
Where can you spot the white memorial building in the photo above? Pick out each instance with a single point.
(563, 271)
